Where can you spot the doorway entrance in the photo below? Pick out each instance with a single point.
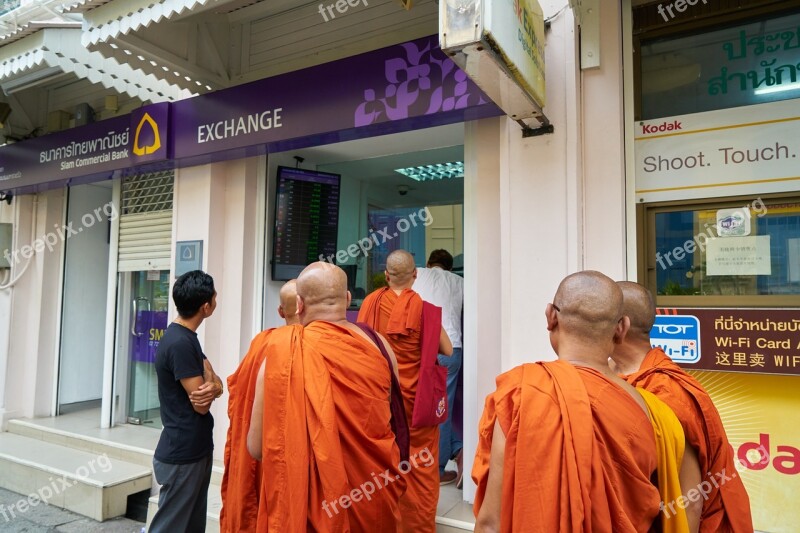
(149, 304)
(400, 191)
(143, 295)
(80, 376)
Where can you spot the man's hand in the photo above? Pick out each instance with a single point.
(205, 394)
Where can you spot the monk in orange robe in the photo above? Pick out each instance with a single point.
(321, 420)
(718, 501)
(396, 312)
(241, 479)
(567, 446)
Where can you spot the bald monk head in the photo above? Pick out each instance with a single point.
(322, 293)
(585, 319)
(400, 270)
(639, 307)
(288, 306)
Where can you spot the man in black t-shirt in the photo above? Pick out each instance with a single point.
(187, 385)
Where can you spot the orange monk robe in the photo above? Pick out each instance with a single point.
(727, 508)
(399, 319)
(330, 460)
(579, 452)
(241, 479)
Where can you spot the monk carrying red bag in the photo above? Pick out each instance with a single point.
(430, 404)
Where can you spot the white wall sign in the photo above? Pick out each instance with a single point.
(739, 256)
(743, 150)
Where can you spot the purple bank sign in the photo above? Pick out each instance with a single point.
(96, 149)
(399, 88)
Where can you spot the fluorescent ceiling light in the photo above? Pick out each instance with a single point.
(438, 171)
(778, 89)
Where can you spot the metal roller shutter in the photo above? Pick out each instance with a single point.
(145, 225)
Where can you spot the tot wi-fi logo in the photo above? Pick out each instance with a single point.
(678, 336)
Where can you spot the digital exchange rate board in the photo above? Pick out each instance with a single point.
(306, 220)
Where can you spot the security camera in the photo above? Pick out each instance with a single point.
(402, 190)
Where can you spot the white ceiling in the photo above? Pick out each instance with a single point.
(195, 45)
(374, 160)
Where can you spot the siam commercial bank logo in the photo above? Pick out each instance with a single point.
(153, 134)
(150, 125)
(664, 127)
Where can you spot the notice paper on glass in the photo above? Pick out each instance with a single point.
(739, 256)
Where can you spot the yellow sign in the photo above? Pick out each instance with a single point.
(143, 150)
(760, 417)
(515, 29)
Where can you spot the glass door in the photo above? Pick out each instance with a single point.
(148, 303)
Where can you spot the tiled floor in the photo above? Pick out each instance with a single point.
(453, 511)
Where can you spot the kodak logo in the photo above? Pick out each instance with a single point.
(660, 128)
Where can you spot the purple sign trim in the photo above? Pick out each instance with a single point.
(414, 79)
(400, 88)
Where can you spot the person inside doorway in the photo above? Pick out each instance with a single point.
(397, 313)
(187, 386)
(438, 285)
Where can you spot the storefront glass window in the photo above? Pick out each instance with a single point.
(745, 250)
(743, 65)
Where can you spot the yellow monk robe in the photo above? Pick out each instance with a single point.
(399, 319)
(330, 461)
(727, 508)
(241, 480)
(579, 453)
(670, 445)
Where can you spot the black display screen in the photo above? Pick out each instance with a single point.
(306, 220)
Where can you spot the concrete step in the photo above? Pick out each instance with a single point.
(214, 507)
(94, 485)
(449, 525)
(103, 441)
(86, 443)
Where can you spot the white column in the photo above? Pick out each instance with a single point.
(603, 151)
(538, 209)
(6, 298)
(35, 314)
(483, 311)
(217, 204)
